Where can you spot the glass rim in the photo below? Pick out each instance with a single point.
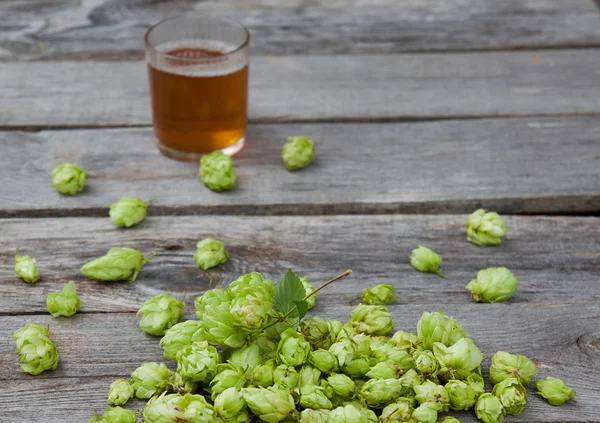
(242, 45)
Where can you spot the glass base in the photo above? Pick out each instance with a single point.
(186, 156)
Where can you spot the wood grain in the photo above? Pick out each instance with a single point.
(311, 88)
(511, 165)
(556, 259)
(109, 29)
(97, 348)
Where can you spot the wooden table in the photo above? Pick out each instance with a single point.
(424, 110)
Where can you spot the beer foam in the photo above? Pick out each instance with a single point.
(207, 66)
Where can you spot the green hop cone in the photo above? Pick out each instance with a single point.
(335, 328)
(160, 313)
(20, 336)
(271, 404)
(433, 395)
(458, 360)
(213, 297)
(425, 413)
(317, 332)
(309, 375)
(399, 411)
(312, 396)
(252, 311)
(298, 152)
(308, 288)
(372, 319)
(293, 349)
(358, 367)
(512, 395)
(251, 282)
(26, 269)
(119, 264)
(342, 385)
(406, 341)
(182, 386)
(555, 391)
(218, 327)
(128, 211)
(437, 327)
(210, 253)
(97, 419)
(37, 354)
(383, 294)
(449, 419)
(150, 379)
(485, 228)
(426, 260)
(217, 172)
(384, 370)
(378, 392)
(179, 336)
(505, 366)
(323, 360)
(391, 353)
(348, 414)
(314, 416)
(247, 357)
(119, 415)
(489, 409)
(119, 392)
(462, 394)
(68, 178)
(425, 362)
(262, 375)
(198, 362)
(343, 350)
(493, 285)
(228, 376)
(175, 408)
(285, 377)
(229, 403)
(63, 303)
(410, 380)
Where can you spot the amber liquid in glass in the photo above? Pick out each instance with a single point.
(198, 108)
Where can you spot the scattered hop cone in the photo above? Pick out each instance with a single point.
(178, 337)
(312, 396)
(298, 152)
(119, 264)
(228, 376)
(128, 211)
(437, 327)
(342, 385)
(20, 336)
(308, 288)
(37, 354)
(286, 377)
(449, 419)
(175, 408)
(198, 362)
(493, 285)
(63, 303)
(463, 394)
(399, 411)
(150, 379)
(425, 413)
(97, 419)
(262, 375)
(426, 260)
(119, 392)
(314, 416)
(485, 228)
(119, 415)
(217, 172)
(210, 253)
(505, 366)
(317, 332)
(377, 392)
(489, 409)
(555, 391)
(26, 269)
(372, 320)
(229, 403)
(160, 313)
(272, 405)
(323, 360)
(68, 178)
(512, 395)
(458, 360)
(432, 394)
(309, 375)
(293, 349)
(382, 294)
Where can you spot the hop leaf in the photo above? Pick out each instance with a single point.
(288, 292)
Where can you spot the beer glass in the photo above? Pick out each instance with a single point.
(198, 74)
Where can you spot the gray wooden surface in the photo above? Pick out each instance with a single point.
(105, 29)
(510, 165)
(423, 110)
(341, 88)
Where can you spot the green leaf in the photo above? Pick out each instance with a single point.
(288, 291)
(302, 307)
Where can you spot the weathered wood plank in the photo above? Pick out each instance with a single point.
(309, 88)
(555, 259)
(512, 165)
(96, 348)
(114, 29)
